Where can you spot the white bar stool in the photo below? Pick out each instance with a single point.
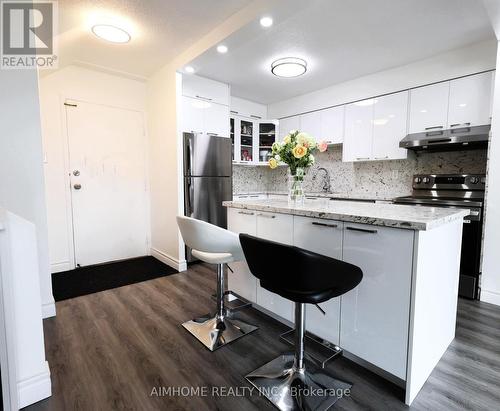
(214, 245)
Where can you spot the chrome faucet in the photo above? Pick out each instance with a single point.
(327, 187)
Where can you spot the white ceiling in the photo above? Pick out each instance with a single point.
(160, 30)
(341, 40)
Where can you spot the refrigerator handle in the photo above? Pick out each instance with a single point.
(188, 153)
(189, 197)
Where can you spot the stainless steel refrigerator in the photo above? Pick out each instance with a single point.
(207, 178)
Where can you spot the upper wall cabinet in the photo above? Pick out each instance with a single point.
(390, 115)
(332, 125)
(470, 101)
(457, 103)
(358, 134)
(374, 128)
(429, 108)
(287, 124)
(200, 116)
(247, 108)
(206, 89)
(324, 125)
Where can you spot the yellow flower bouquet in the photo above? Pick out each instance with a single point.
(296, 150)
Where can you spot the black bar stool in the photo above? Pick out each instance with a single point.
(303, 277)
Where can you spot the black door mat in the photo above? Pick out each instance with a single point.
(95, 278)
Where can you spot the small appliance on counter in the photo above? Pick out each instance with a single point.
(463, 191)
(207, 178)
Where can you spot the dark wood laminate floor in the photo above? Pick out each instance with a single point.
(107, 351)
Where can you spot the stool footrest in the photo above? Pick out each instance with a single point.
(320, 350)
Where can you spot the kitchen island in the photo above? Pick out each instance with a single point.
(401, 318)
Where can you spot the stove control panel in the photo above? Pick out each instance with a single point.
(462, 182)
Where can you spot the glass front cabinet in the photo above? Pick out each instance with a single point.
(252, 139)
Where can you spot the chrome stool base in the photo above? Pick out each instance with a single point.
(214, 333)
(292, 390)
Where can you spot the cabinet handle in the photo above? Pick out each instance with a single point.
(204, 98)
(325, 225)
(362, 230)
(234, 112)
(381, 158)
(460, 125)
(212, 134)
(254, 116)
(362, 158)
(245, 213)
(266, 215)
(433, 128)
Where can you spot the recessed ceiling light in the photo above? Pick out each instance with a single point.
(222, 49)
(364, 103)
(266, 21)
(111, 33)
(423, 110)
(189, 69)
(462, 105)
(289, 67)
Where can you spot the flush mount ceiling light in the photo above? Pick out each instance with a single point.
(189, 69)
(111, 33)
(222, 49)
(289, 67)
(266, 21)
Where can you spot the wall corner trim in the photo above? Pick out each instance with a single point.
(49, 309)
(490, 297)
(179, 265)
(35, 388)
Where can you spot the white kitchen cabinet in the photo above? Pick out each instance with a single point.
(390, 115)
(332, 125)
(358, 134)
(201, 116)
(470, 101)
(192, 115)
(288, 124)
(323, 237)
(216, 120)
(247, 108)
(205, 89)
(275, 227)
(241, 280)
(375, 315)
(429, 108)
(310, 123)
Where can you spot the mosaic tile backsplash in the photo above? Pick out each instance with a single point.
(376, 179)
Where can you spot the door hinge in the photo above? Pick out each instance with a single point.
(70, 105)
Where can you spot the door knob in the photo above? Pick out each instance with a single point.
(77, 186)
(76, 173)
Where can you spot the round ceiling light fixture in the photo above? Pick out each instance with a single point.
(111, 33)
(289, 67)
(266, 21)
(221, 48)
(189, 69)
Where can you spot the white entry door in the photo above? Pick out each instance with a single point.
(107, 167)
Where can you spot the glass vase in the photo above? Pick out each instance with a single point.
(295, 187)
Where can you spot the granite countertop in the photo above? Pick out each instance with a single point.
(346, 196)
(388, 215)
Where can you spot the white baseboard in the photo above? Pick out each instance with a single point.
(58, 267)
(179, 265)
(49, 309)
(35, 388)
(490, 297)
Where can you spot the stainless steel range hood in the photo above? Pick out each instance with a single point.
(447, 140)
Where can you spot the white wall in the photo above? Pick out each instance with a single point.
(165, 154)
(21, 172)
(490, 287)
(472, 59)
(83, 84)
